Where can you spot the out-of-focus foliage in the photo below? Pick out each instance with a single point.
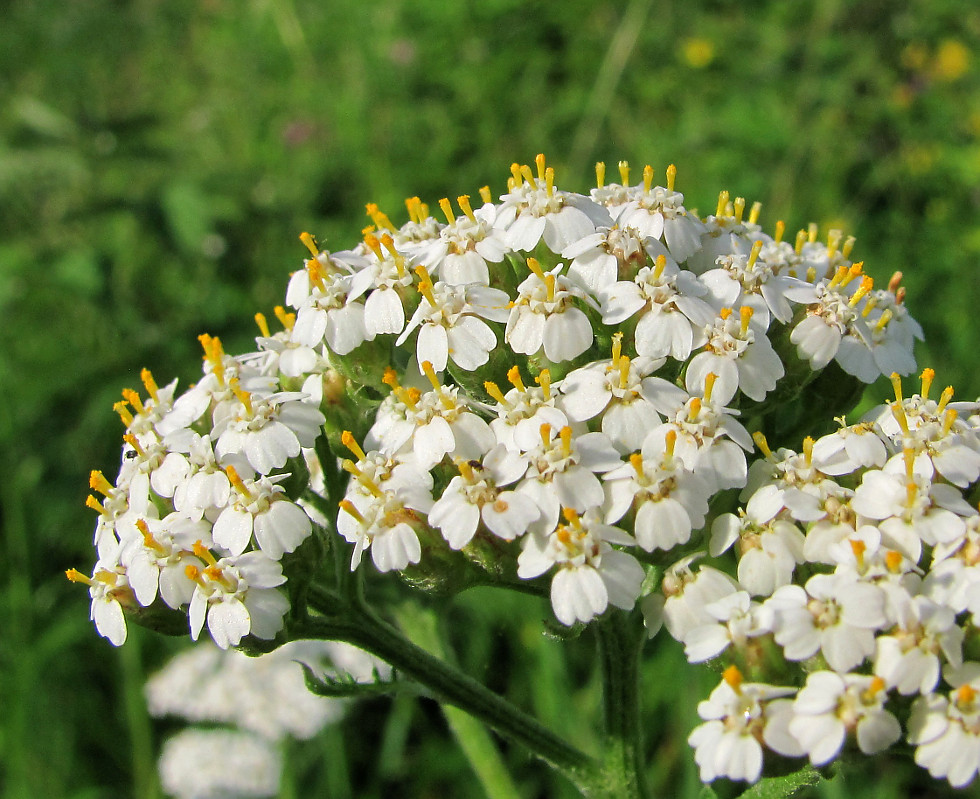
(158, 159)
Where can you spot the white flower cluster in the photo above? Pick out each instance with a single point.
(563, 386)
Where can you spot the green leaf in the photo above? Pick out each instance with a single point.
(785, 786)
(344, 685)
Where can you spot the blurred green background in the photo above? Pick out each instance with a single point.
(158, 159)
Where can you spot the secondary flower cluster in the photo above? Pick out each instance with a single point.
(562, 387)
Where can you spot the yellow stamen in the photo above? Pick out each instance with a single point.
(624, 371)
(624, 172)
(97, 482)
(948, 419)
(310, 243)
(374, 245)
(539, 163)
(734, 678)
(762, 444)
(870, 305)
(447, 209)
(896, 379)
(544, 380)
(237, 483)
(658, 266)
(193, 573)
(572, 517)
(514, 375)
(911, 488)
(133, 399)
(600, 174)
(94, 504)
(671, 177)
(351, 468)
(545, 431)
(515, 172)
(811, 233)
(754, 212)
(379, 217)
(724, 313)
(494, 391)
(670, 440)
(130, 439)
(425, 285)
(722, 203)
(287, 320)
(739, 207)
(566, 440)
(123, 411)
(549, 181)
(77, 577)
(893, 561)
(927, 376)
(965, 695)
(694, 409)
(528, 175)
(407, 397)
(617, 349)
(895, 282)
(858, 547)
(848, 246)
(412, 206)
(800, 241)
(833, 242)
(754, 253)
(944, 399)
(854, 272)
(867, 283)
(780, 230)
(746, 313)
(549, 282)
(204, 553)
(535, 266)
(464, 203)
(348, 507)
(485, 194)
(636, 461)
(430, 373)
(898, 411)
(262, 324)
(244, 397)
(808, 443)
(150, 384)
(884, 319)
(465, 469)
(709, 385)
(647, 178)
(348, 440)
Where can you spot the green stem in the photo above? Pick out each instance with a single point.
(620, 638)
(358, 625)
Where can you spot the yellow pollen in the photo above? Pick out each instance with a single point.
(624, 172)
(617, 348)
(485, 194)
(151, 386)
(754, 254)
(133, 399)
(780, 230)
(636, 461)
(658, 266)
(315, 272)
(98, 482)
(624, 371)
(808, 443)
(647, 178)
(425, 285)
(204, 553)
(694, 409)
(944, 398)
(927, 376)
(858, 547)
(908, 454)
(77, 577)
(217, 575)
(130, 439)
(733, 677)
(670, 440)
(566, 440)
(374, 245)
(893, 561)
(600, 174)
(746, 313)
(193, 573)
(494, 391)
(754, 212)
(709, 385)
(379, 218)
(948, 419)
(671, 177)
(800, 241)
(544, 380)
(539, 163)
(854, 272)
(123, 411)
(94, 504)
(348, 507)
(534, 266)
(867, 283)
(739, 207)
(464, 203)
(724, 313)
(447, 209)
(722, 203)
(348, 440)
(287, 320)
(310, 243)
(262, 324)
(514, 375)
(236, 482)
(762, 444)
(148, 540)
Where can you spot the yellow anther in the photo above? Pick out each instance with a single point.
(545, 432)
(671, 177)
(514, 375)
(464, 204)
(150, 384)
(535, 266)
(465, 469)
(617, 348)
(572, 517)
(528, 175)
(647, 178)
(876, 686)
(658, 266)
(855, 271)
(262, 324)
(870, 305)
(965, 696)
(413, 206)
(754, 212)
(543, 379)
(867, 283)
(848, 246)
(900, 296)
(762, 444)
(927, 376)
(310, 243)
(563, 535)
(374, 245)
(98, 482)
(130, 439)
(800, 241)
(348, 507)
(77, 577)
(425, 285)
(447, 209)
(636, 461)
(348, 440)
(724, 313)
(734, 678)
(237, 483)
(893, 561)
(204, 553)
(694, 408)
(549, 282)
(600, 174)
(624, 371)
(133, 399)
(287, 320)
(811, 232)
(670, 440)
(351, 468)
(566, 440)
(549, 181)
(858, 547)
(193, 573)
(123, 411)
(949, 418)
(94, 504)
(884, 319)
(515, 172)
(754, 253)
(430, 373)
(244, 397)
(898, 411)
(896, 379)
(485, 195)
(745, 312)
(624, 172)
(722, 203)
(808, 443)
(539, 163)
(944, 399)
(833, 242)
(780, 230)
(494, 391)
(379, 217)
(739, 208)
(709, 385)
